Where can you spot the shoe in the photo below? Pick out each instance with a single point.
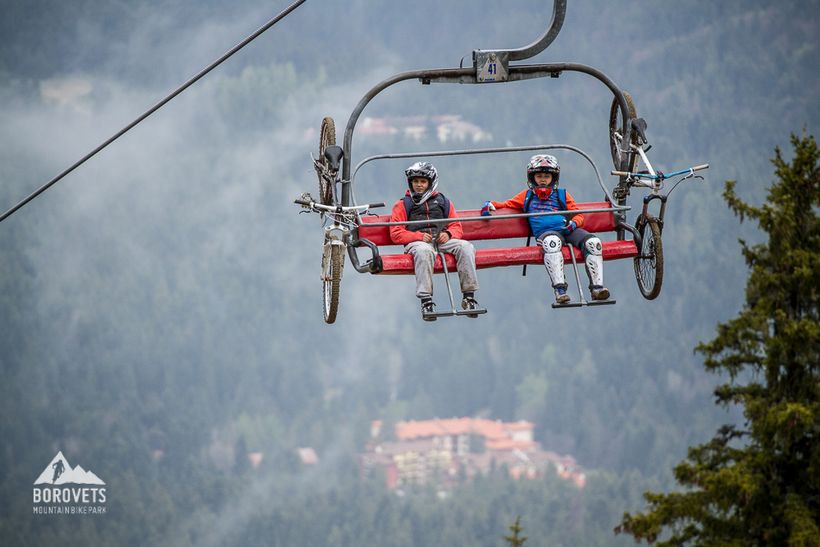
(561, 296)
(599, 293)
(469, 303)
(428, 307)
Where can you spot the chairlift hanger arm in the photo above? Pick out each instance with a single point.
(468, 76)
(559, 11)
(492, 65)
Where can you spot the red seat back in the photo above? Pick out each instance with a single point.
(507, 228)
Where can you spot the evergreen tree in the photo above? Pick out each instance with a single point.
(760, 485)
(516, 539)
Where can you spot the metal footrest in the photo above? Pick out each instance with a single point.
(583, 303)
(477, 311)
(451, 313)
(581, 300)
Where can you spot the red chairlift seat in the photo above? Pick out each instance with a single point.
(512, 228)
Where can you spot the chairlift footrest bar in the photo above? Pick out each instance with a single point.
(555, 305)
(584, 303)
(451, 313)
(476, 311)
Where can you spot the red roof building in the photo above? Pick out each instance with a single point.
(444, 450)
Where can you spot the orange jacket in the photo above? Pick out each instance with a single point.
(402, 236)
(517, 202)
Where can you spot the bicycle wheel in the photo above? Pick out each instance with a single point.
(615, 125)
(327, 137)
(649, 262)
(333, 261)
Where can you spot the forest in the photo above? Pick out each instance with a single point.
(160, 309)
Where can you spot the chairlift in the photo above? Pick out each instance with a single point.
(350, 226)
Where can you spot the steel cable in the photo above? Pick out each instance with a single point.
(284, 13)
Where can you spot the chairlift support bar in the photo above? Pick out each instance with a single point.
(494, 150)
(491, 218)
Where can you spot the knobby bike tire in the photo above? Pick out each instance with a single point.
(615, 124)
(332, 284)
(649, 262)
(327, 137)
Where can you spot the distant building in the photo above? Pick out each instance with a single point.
(447, 128)
(308, 456)
(447, 451)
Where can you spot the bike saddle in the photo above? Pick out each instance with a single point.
(334, 155)
(639, 125)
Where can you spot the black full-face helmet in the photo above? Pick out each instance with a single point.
(426, 170)
(543, 163)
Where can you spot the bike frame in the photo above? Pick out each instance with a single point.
(654, 181)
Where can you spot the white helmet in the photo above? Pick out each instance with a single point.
(543, 163)
(426, 170)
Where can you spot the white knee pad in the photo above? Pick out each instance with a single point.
(594, 261)
(553, 259)
(593, 246)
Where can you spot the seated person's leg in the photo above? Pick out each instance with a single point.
(464, 252)
(554, 262)
(424, 257)
(592, 249)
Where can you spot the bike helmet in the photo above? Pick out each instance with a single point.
(426, 170)
(542, 163)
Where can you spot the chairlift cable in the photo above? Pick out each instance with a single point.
(284, 13)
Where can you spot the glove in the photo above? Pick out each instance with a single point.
(488, 206)
(569, 228)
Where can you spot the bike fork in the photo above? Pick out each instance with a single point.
(334, 235)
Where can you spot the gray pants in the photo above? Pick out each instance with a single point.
(424, 256)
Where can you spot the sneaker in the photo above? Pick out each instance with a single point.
(428, 307)
(469, 303)
(561, 296)
(599, 293)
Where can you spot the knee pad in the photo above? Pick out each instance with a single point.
(553, 259)
(594, 261)
(552, 244)
(592, 246)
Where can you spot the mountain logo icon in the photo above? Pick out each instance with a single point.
(60, 472)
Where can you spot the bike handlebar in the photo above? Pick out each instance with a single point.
(660, 176)
(337, 208)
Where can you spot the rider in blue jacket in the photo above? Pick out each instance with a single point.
(552, 231)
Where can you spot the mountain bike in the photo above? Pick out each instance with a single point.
(648, 226)
(338, 220)
(337, 237)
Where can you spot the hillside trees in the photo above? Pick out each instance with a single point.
(759, 485)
